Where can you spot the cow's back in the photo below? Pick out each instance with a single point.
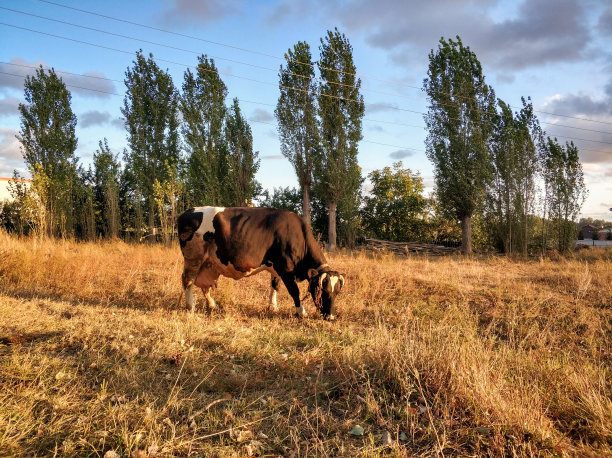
(248, 237)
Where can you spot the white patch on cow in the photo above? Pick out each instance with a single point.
(333, 280)
(273, 300)
(331, 317)
(208, 214)
(321, 278)
(300, 311)
(210, 301)
(190, 298)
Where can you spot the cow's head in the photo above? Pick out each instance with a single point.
(324, 286)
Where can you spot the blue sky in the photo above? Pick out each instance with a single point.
(559, 52)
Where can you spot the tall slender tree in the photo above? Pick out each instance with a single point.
(243, 162)
(106, 183)
(565, 190)
(48, 142)
(203, 109)
(511, 196)
(459, 122)
(297, 118)
(150, 109)
(341, 109)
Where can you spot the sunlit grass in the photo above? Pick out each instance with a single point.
(451, 356)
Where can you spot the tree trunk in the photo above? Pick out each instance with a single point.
(331, 231)
(466, 235)
(306, 205)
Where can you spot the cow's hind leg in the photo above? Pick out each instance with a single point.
(193, 256)
(188, 281)
(294, 291)
(210, 301)
(274, 286)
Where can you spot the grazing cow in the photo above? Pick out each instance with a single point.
(237, 242)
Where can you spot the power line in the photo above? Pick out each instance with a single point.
(392, 107)
(271, 69)
(255, 121)
(176, 48)
(243, 77)
(395, 83)
(218, 43)
(69, 85)
(61, 71)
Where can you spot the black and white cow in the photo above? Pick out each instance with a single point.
(237, 242)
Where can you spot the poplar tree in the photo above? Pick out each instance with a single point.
(341, 109)
(48, 143)
(150, 109)
(512, 193)
(459, 122)
(297, 118)
(565, 191)
(106, 183)
(203, 109)
(243, 162)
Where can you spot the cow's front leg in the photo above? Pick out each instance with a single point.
(274, 286)
(294, 291)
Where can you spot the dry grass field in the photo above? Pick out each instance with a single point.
(431, 357)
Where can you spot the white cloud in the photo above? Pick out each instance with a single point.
(260, 115)
(89, 84)
(401, 154)
(183, 12)
(9, 106)
(93, 118)
(10, 153)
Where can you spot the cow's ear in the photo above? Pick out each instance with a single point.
(312, 273)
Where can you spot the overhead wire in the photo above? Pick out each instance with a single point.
(272, 105)
(158, 29)
(234, 61)
(280, 58)
(392, 107)
(271, 69)
(252, 120)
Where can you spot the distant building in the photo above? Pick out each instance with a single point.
(588, 231)
(4, 188)
(603, 234)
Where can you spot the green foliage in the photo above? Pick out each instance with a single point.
(203, 109)
(48, 143)
(565, 192)
(396, 209)
(285, 198)
(106, 186)
(341, 109)
(296, 116)
(166, 195)
(511, 194)
(461, 108)
(150, 109)
(243, 162)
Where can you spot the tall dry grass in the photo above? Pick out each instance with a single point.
(449, 356)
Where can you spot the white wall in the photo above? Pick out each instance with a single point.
(4, 189)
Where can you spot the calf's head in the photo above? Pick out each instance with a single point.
(324, 287)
